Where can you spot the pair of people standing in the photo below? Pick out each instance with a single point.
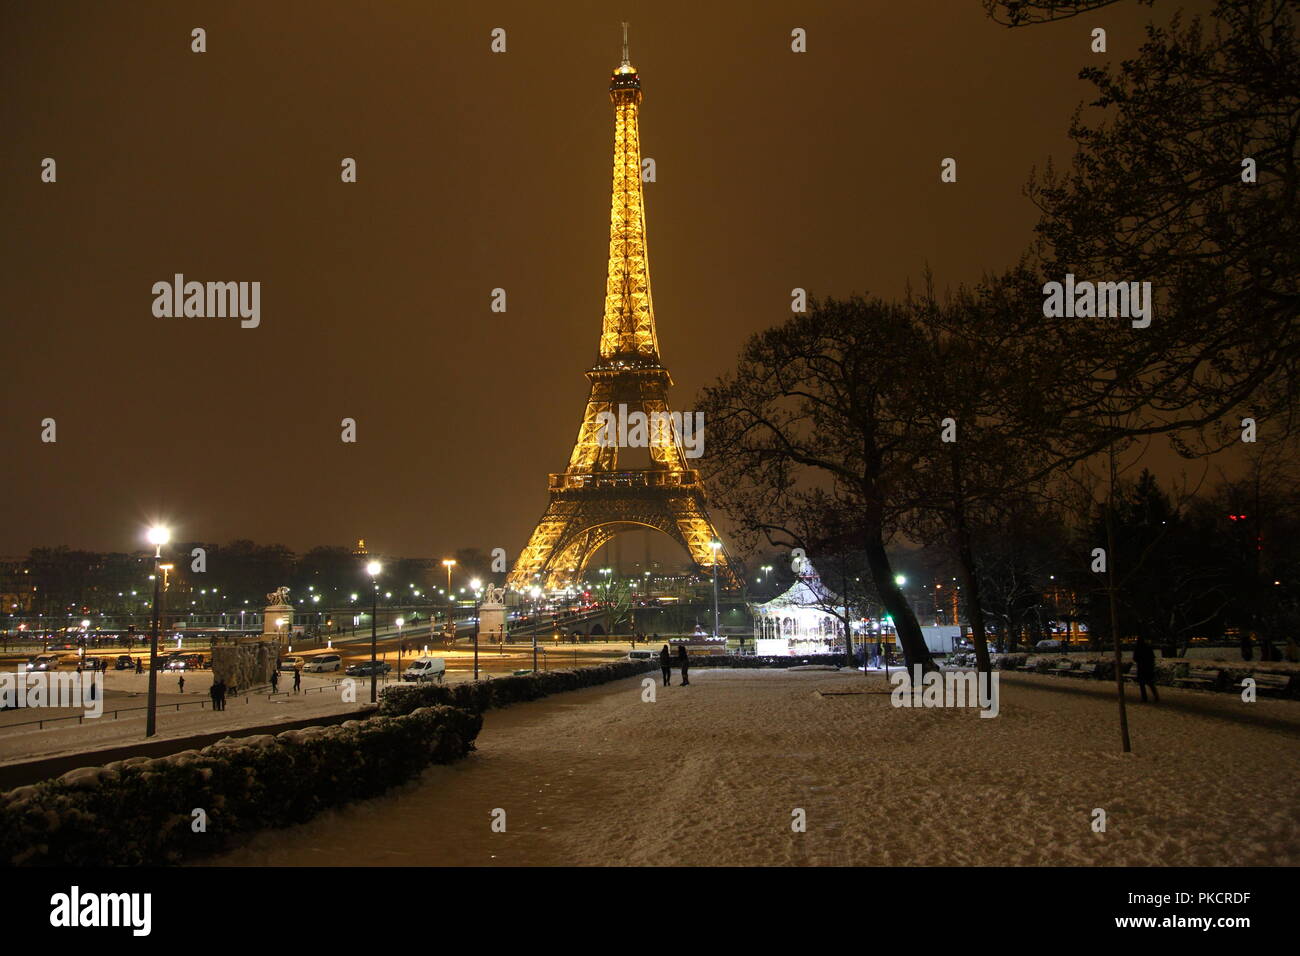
(666, 664)
(218, 695)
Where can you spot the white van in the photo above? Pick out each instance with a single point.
(643, 655)
(426, 668)
(322, 663)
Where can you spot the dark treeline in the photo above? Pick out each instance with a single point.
(1213, 566)
(995, 422)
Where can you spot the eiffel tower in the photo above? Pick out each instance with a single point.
(592, 500)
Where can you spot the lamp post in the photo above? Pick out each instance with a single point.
(158, 536)
(400, 621)
(716, 546)
(536, 593)
(373, 569)
(449, 563)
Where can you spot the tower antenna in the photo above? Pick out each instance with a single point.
(626, 61)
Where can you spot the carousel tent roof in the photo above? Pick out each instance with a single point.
(807, 591)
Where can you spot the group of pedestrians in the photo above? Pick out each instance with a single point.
(872, 655)
(683, 661)
(218, 694)
(297, 680)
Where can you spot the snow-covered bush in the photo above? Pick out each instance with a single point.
(483, 695)
(141, 811)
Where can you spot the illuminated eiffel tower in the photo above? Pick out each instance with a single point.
(593, 500)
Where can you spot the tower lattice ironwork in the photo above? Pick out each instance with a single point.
(593, 500)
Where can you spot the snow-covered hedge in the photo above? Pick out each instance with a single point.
(483, 695)
(143, 811)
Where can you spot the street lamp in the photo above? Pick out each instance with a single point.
(373, 569)
(716, 546)
(400, 621)
(157, 536)
(536, 593)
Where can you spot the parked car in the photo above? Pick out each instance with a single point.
(184, 662)
(366, 668)
(426, 668)
(43, 662)
(95, 664)
(1049, 645)
(325, 662)
(291, 663)
(642, 655)
(125, 662)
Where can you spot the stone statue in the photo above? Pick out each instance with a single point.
(493, 595)
(279, 596)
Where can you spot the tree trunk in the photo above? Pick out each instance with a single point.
(910, 638)
(974, 609)
(969, 575)
(1114, 607)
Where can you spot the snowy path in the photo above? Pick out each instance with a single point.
(709, 774)
(21, 740)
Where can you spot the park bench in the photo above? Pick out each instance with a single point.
(1202, 678)
(1067, 668)
(1271, 682)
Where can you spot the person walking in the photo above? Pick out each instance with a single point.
(212, 693)
(139, 665)
(181, 683)
(222, 690)
(666, 665)
(880, 653)
(684, 662)
(275, 681)
(1144, 662)
(297, 679)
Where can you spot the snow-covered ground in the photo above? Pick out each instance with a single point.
(126, 693)
(710, 774)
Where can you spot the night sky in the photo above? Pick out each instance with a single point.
(476, 170)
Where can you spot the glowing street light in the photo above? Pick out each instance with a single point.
(448, 563)
(715, 545)
(373, 569)
(158, 535)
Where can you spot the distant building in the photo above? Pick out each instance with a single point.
(16, 588)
